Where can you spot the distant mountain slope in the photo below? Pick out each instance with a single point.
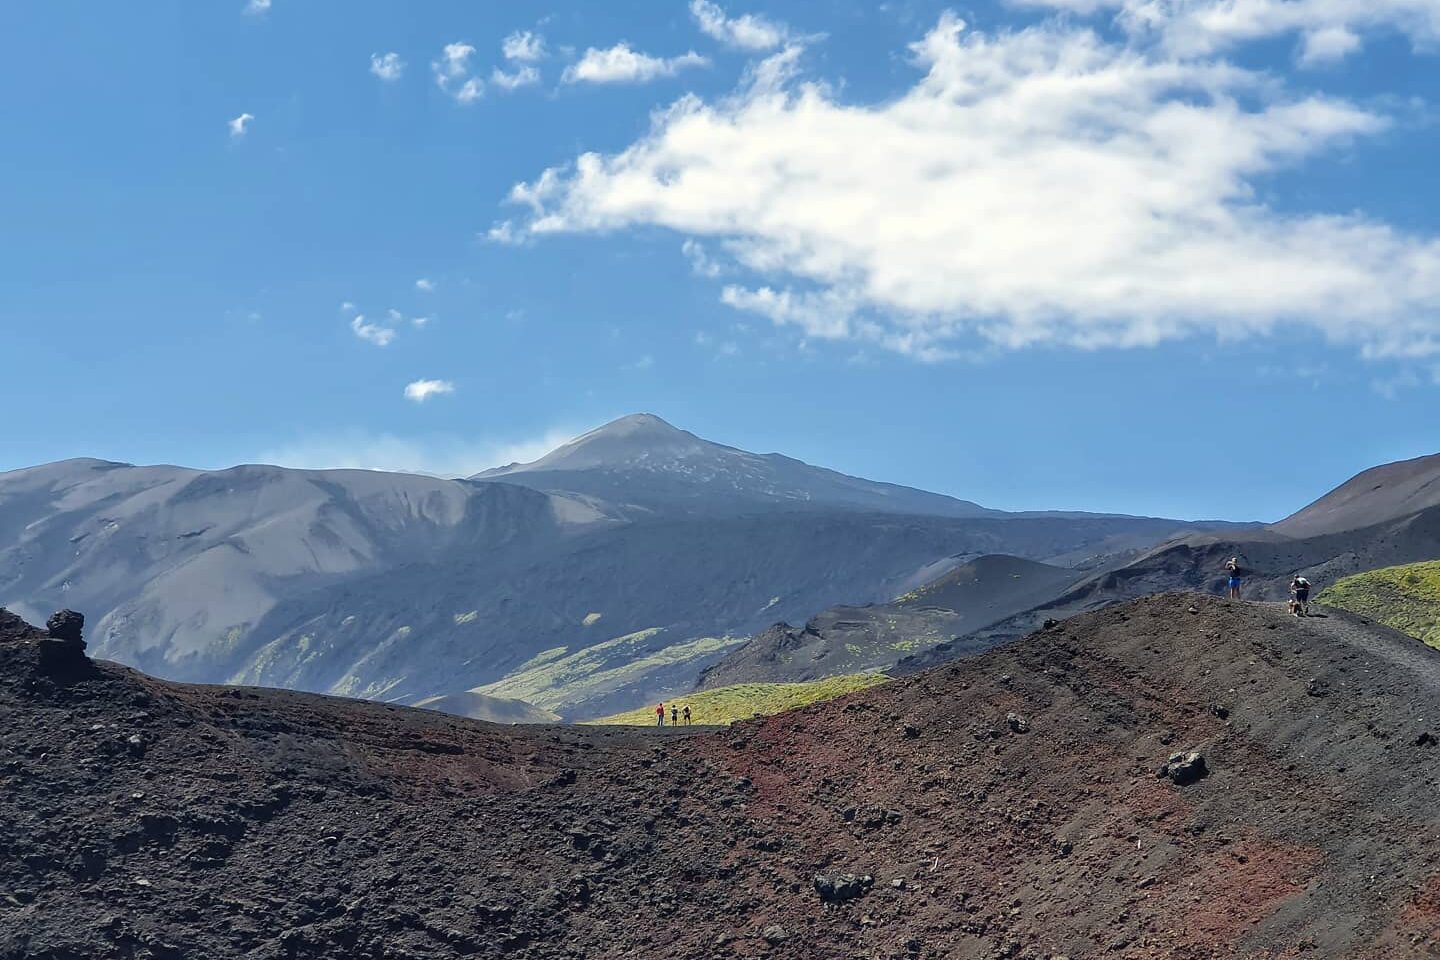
(402, 587)
(477, 706)
(1383, 517)
(1373, 497)
(642, 461)
(967, 598)
(1406, 598)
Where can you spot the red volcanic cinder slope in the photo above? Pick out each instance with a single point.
(1006, 806)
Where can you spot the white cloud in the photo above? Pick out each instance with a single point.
(438, 456)
(524, 46)
(621, 64)
(422, 390)
(387, 66)
(347, 307)
(523, 77)
(1045, 186)
(240, 125)
(452, 73)
(747, 32)
(256, 7)
(701, 263)
(1328, 45)
(506, 232)
(425, 285)
(1328, 29)
(371, 332)
(419, 321)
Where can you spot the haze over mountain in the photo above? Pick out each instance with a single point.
(615, 568)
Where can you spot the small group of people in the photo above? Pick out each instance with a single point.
(676, 714)
(1299, 588)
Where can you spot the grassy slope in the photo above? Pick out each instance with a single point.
(556, 677)
(745, 700)
(1405, 597)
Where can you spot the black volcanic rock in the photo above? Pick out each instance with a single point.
(12, 627)
(67, 626)
(263, 823)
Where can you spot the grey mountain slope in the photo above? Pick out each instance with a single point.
(1372, 497)
(1385, 516)
(477, 706)
(642, 461)
(968, 597)
(408, 632)
(405, 587)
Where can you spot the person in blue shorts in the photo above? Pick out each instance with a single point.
(1232, 567)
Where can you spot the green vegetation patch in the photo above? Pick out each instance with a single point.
(559, 680)
(725, 705)
(1406, 597)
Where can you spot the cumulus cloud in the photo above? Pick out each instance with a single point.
(438, 456)
(1328, 29)
(421, 390)
(425, 285)
(374, 333)
(387, 66)
(524, 46)
(747, 32)
(1043, 186)
(452, 73)
(621, 64)
(240, 125)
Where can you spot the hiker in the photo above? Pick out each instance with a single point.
(687, 714)
(1232, 567)
(1300, 590)
(660, 715)
(674, 715)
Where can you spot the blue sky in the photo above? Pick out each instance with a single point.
(1128, 255)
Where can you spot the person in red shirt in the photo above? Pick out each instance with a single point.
(660, 715)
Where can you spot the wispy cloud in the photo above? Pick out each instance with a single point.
(524, 46)
(256, 7)
(452, 73)
(621, 64)
(240, 125)
(425, 285)
(1123, 180)
(506, 232)
(747, 32)
(1327, 29)
(701, 263)
(371, 332)
(387, 66)
(440, 456)
(525, 76)
(421, 390)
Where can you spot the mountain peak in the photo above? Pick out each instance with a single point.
(647, 423)
(644, 461)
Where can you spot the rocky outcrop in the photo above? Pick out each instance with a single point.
(14, 628)
(59, 649)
